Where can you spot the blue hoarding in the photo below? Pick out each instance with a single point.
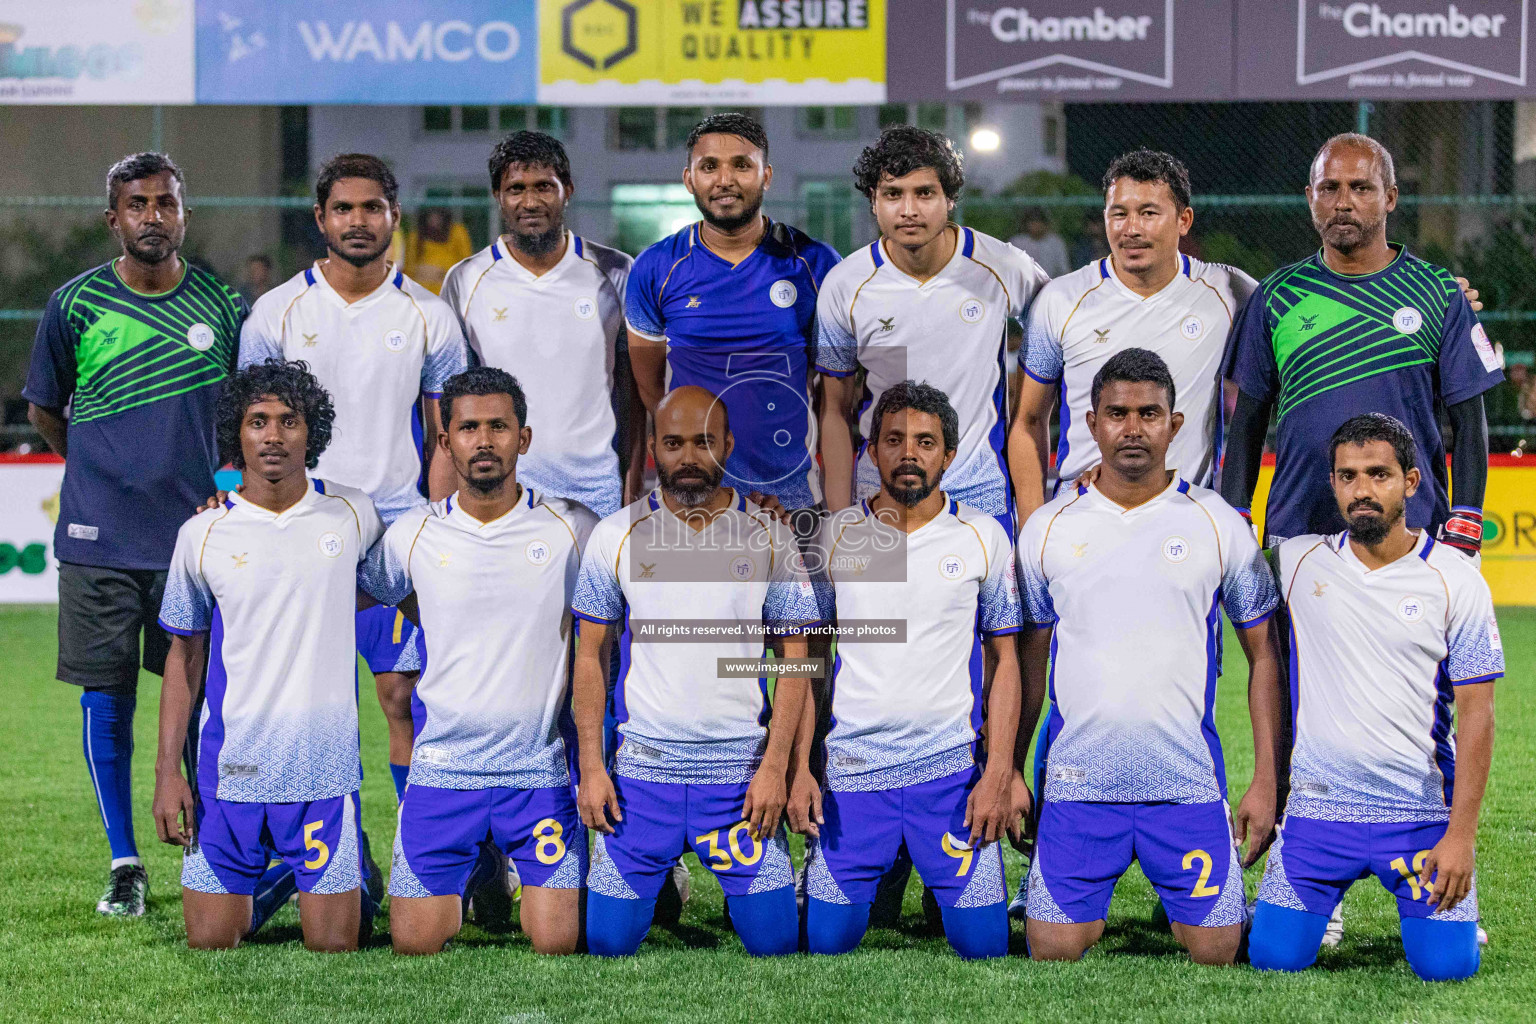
(340, 51)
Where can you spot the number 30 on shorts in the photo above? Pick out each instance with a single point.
(721, 859)
(549, 846)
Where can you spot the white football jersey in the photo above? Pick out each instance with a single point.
(645, 570)
(278, 594)
(907, 712)
(560, 335)
(376, 357)
(1134, 595)
(495, 685)
(1376, 655)
(949, 331)
(1082, 319)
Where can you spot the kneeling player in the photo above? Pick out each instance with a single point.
(493, 568)
(263, 590)
(902, 765)
(1130, 573)
(1389, 630)
(702, 755)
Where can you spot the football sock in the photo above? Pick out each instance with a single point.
(1283, 939)
(275, 887)
(399, 772)
(106, 735)
(834, 927)
(977, 933)
(1441, 950)
(616, 927)
(768, 922)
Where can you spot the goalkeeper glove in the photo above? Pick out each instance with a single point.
(1463, 531)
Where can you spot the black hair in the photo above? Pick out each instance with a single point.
(534, 149)
(1376, 426)
(290, 383)
(356, 165)
(483, 380)
(137, 167)
(1383, 156)
(1133, 366)
(904, 148)
(918, 397)
(743, 126)
(1146, 165)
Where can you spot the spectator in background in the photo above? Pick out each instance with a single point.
(1091, 244)
(436, 244)
(256, 280)
(1043, 244)
(1524, 384)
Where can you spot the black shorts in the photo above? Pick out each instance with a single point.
(102, 613)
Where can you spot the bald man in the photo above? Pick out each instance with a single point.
(1359, 326)
(694, 580)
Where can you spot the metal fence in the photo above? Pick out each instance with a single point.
(1468, 201)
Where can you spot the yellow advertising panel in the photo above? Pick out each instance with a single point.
(708, 51)
(1509, 528)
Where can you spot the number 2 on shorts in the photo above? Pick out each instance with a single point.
(1201, 887)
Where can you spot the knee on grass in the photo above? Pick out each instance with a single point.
(832, 928)
(1441, 950)
(616, 927)
(1284, 939)
(977, 933)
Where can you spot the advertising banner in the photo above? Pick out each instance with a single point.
(1077, 50)
(28, 571)
(338, 51)
(1383, 50)
(709, 51)
(96, 51)
(1509, 526)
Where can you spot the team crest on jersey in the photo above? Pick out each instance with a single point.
(537, 552)
(200, 337)
(330, 544)
(1410, 609)
(783, 293)
(951, 567)
(586, 308)
(394, 340)
(1485, 350)
(1192, 328)
(1407, 320)
(972, 310)
(1175, 549)
(742, 568)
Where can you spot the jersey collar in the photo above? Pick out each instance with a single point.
(1399, 248)
(1177, 486)
(525, 502)
(574, 253)
(1420, 550)
(1107, 272)
(393, 281)
(965, 245)
(236, 500)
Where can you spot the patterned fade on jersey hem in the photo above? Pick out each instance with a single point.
(777, 871)
(345, 871)
(273, 759)
(1039, 903)
(985, 886)
(572, 872)
(197, 874)
(895, 768)
(1275, 887)
(699, 763)
(1103, 766)
(819, 883)
(546, 770)
(1331, 788)
(1232, 905)
(604, 879)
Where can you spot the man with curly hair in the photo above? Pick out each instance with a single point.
(262, 590)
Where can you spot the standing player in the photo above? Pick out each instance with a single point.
(137, 350)
(1361, 324)
(1125, 579)
(547, 306)
(902, 761)
(1389, 630)
(262, 592)
(928, 300)
(383, 346)
(490, 762)
(1145, 294)
(728, 304)
(702, 761)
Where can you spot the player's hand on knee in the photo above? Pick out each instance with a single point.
(766, 799)
(989, 809)
(598, 803)
(1450, 866)
(1471, 294)
(1254, 822)
(805, 805)
(1021, 802)
(174, 811)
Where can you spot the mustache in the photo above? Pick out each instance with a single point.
(1367, 503)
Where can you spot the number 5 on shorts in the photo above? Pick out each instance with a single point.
(320, 853)
(1201, 888)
